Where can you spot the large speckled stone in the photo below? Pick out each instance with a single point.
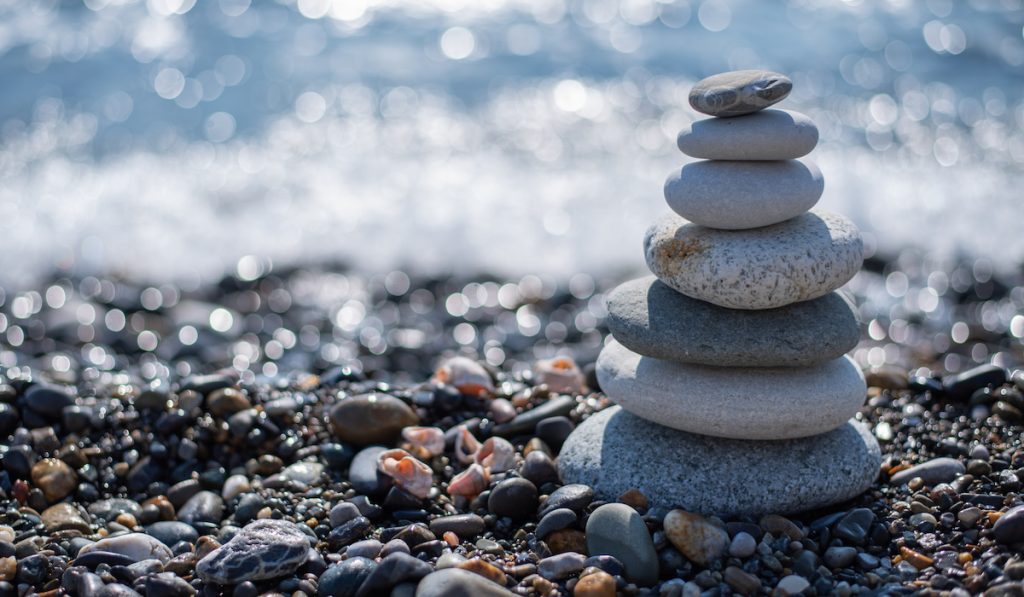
(736, 402)
(763, 268)
(263, 549)
(615, 451)
(734, 195)
(739, 92)
(765, 135)
(650, 318)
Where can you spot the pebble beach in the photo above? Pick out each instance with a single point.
(309, 432)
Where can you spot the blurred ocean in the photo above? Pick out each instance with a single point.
(168, 139)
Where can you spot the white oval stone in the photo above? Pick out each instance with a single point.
(764, 135)
(733, 402)
(762, 268)
(733, 195)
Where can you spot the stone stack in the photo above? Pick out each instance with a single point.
(734, 395)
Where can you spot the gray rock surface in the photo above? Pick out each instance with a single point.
(617, 530)
(650, 318)
(263, 549)
(737, 195)
(614, 451)
(739, 92)
(764, 135)
(766, 403)
(763, 268)
(454, 582)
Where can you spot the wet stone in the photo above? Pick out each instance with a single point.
(136, 546)
(455, 582)
(64, 516)
(171, 532)
(344, 578)
(1009, 529)
(342, 535)
(370, 419)
(561, 566)
(466, 526)
(854, 526)
(574, 496)
(47, 401)
(932, 472)
(555, 520)
(261, 550)
(203, 507)
(392, 570)
(54, 477)
(515, 498)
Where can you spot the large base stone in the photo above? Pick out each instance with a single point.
(614, 451)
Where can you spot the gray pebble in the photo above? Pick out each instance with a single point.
(739, 92)
(764, 135)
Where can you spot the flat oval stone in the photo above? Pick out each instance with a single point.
(764, 135)
(724, 477)
(737, 402)
(763, 268)
(735, 195)
(617, 530)
(650, 318)
(739, 92)
(263, 549)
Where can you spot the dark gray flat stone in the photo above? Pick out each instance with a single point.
(651, 319)
(614, 451)
(739, 92)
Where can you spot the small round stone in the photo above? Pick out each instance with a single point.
(370, 419)
(515, 498)
(764, 135)
(747, 403)
(742, 545)
(739, 92)
(617, 530)
(736, 195)
(726, 477)
(699, 539)
(54, 477)
(654, 320)
(762, 268)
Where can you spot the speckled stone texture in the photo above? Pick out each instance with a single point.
(739, 92)
(736, 402)
(650, 318)
(614, 451)
(763, 268)
(263, 549)
(764, 135)
(739, 195)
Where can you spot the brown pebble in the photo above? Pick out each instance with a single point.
(741, 581)
(8, 568)
(780, 525)
(484, 569)
(963, 557)
(227, 401)
(204, 546)
(915, 483)
(696, 537)
(635, 499)
(163, 506)
(917, 560)
(542, 585)
(596, 584)
(566, 540)
(126, 520)
(536, 444)
(54, 477)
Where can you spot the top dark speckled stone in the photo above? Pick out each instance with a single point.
(739, 92)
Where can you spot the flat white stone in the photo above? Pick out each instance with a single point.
(735, 195)
(762, 268)
(614, 451)
(764, 135)
(733, 402)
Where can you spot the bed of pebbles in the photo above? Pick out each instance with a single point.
(219, 439)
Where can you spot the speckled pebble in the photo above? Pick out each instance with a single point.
(763, 268)
(262, 549)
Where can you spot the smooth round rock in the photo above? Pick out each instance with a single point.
(650, 318)
(617, 530)
(263, 549)
(739, 92)
(733, 402)
(344, 578)
(370, 419)
(515, 498)
(455, 582)
(763, 268)
(765, 135)
(725, 477)
(733, 195)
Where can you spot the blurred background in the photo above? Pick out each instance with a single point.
(169, 139)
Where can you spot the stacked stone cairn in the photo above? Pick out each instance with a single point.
(734, 395)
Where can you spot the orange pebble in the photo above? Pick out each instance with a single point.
(451, 538)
